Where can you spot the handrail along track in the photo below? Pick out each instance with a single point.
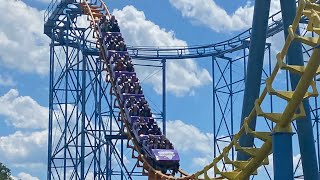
(292, 111)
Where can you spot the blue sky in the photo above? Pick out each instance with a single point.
(24, 58)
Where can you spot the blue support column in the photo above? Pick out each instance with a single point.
(254, 69)
(65, 131)
(164, 99)
(214, 109)
(78, 110)
(50, 107)
(83, 118)
(304, 125)
(282, 155)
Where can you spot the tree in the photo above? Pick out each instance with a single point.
(5, 173)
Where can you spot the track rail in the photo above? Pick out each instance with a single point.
(233, 44)
(293, 110)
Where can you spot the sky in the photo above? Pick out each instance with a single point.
(24, 73)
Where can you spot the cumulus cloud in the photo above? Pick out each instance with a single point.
(20, 147)
(23, 46)
(183, 76)
(185, 135)
(23, 111)
(25, 176)
(207, 12)
(210, 14)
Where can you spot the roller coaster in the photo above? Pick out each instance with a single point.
(94, 72)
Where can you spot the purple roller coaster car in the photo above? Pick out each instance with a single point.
(157, 149)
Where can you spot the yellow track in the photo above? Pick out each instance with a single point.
(259, 155)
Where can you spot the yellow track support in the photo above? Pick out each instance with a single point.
(294, 99)
(293, 110)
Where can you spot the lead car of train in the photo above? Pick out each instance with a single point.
(157, 149)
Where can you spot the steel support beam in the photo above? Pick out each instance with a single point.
(304, 125)
(164, 100)
(282, 155)
(254, 69)
(50, 107)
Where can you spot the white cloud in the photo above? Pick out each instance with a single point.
(183, 75)
(23, 111)
(6, 81)
(23, 46)
(184, 136)
(207, 12)
(25, 176)
(19, 148)
(210, 14)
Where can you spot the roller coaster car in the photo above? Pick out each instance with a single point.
(157, 149)
(162, 159)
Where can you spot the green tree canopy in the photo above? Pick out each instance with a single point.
(5, 173)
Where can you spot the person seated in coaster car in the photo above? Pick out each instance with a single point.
(112, 25)
(156, 130)
(137, 88)
(122, 79)
(168, 144)
(150, 122)
(106, 26)
(102, 20)
(138, 121)
(134, 110)
(153, 129)
(121, 46)
(144, 129)
(150, 144)
(119, 66)
(145, 111)
(134, 78)
(162, 139)
(165, 143)
(141, 119)
(101, 25)
(141, 102)
(127, 57)
(126, 88)
(129, 65)
(130, 102)
(111, 45)
(115, 57)
(120, 38)
(120, 59)
(156, 144)
(115, 27)
(107, 39)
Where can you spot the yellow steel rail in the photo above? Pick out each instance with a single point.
(294, 100)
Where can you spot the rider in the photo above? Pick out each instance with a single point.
(145, 111)
(134, 111)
